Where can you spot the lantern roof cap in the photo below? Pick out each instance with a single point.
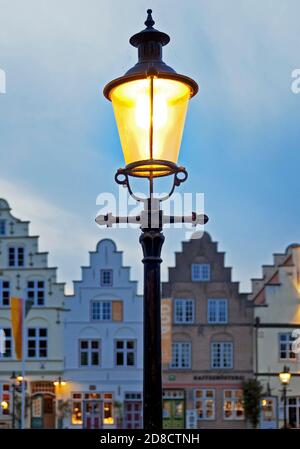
(149, 33)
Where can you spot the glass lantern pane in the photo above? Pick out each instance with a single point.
(132, 108)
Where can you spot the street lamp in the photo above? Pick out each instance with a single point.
(285, 377)
(150, 103)
(59, 382)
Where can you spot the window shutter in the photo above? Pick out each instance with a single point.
(117, 310)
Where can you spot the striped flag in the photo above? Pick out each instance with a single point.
(16, 310)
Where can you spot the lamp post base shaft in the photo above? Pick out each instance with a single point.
(152, 241)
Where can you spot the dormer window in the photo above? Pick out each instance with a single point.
(106, 278)
(2, 227)
(200, 272)
(16, 256)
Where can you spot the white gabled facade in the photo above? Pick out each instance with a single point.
(276, 298)
(24, 273)
(104, 345)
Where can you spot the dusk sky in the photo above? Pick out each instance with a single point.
(59, 146)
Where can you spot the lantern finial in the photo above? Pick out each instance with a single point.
(149, 22)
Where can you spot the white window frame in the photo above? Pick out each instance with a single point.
(2, 227)
(38, 339)
(36, 289)
(8, 343)
(291, 356)
(224, 346)
(216, 304)
(234, 400)
(16, 256)
(125, 352)
(6, 290)
(201, 272)
(203, 400)
(90, 350)
(184, 304)
(180, 350)
(104, 315)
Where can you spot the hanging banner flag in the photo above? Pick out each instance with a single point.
(166, 330)
(16, 306)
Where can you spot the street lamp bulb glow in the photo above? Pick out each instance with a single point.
(285, 376)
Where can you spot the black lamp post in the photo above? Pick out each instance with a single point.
(285, 377)
(150, 103)
(13, 378)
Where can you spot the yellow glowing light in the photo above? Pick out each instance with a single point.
(109, 420)
(4, 405)
(264, 402)
(285, 377)
(19, 378)
(150, 130)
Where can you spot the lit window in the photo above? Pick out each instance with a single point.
(76, 408)
(285, 346)
(15, 256)
(106, 278)
(181, 355)
(233, 405)
(108, 417)
(4, 293)
(89, 352)
(205, 403)
(200, 272)
(36, 292)
(221, 355)
(2, 227)
(101, 310)
(183, 311)
(125, 353)
(37, 340)
(217, 311)
(5, 397)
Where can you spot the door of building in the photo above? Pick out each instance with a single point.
(133, 414)
(92, 414)
(43, 411)
(173, 409)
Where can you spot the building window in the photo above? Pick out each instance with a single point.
(6, 335)
(293, 411)
(200, 272)
(36, 292)
(16, 256)
(217, 311)
(222, 355)
(4, 293)
(106, 278)
(2, 227)
(77, 408)
(184, 311)
(37, 339)
(204, 401)
(233, 405)
(101, 310)
(89, 352)
(285, 346)
(181, 355)
(125, 353)
(5, 399)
